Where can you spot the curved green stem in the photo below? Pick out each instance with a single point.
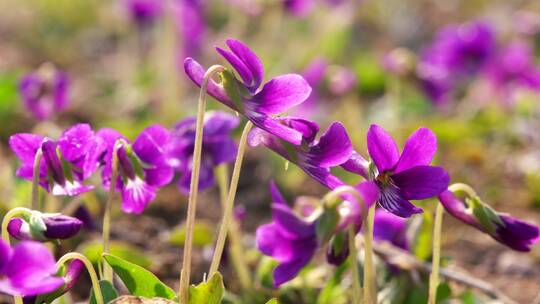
(333, 198)
(463, 187)
(229, 204)
(15, 212)
(107, 270)
(436, 260)
(353, 254)
(35, 179)
(194, 186)
(89, 268)
(370, 285)
(236, 249)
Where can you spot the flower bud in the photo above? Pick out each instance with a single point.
(338, 249)
(44, 227)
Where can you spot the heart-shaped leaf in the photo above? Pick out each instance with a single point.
(139, 281)
(210, 292)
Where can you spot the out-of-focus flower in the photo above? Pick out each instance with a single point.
(85, 217)
(511, 69)
(245, 97)
(28, 269)
(289, 239)
(191, 23)
(342, 81)
(314, 74)
(390, 228)
(250, 7)
(44, 92)
(457, 52)
(44, 227)
(404, 177)
(145, 12)
(399, 61)
(526, 22)
(507, 230)
(299, 8)
(65, 164)
(142, 166)
(315, 157)
(217, 147)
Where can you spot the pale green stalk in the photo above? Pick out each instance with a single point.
(370, 285)
(93, 276)
(436, 260)
(353, 254)
(194, 186)
(229, 204)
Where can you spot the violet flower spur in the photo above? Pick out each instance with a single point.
(315, 157)
(245, 96)
(44, 227)
(510, 231)
(404, 177)
(27, 269)
(66, 163)
(217, 147)
(44, 92)
(142, 166)
(289, 239)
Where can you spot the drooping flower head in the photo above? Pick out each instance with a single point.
(513, 69)
(510, 231)
(289, 239)
(404, 177)
(144, 12)
(245, 96)
(65, 163)
(27, 269)
(44, 92)
(44, 227)
(142, 166)
(457, 52)
(217, 147)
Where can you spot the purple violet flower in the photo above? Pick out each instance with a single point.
(45, 92)
(217, 147)
(315, 157)
(299, 8)
(246, 97)
(457, 52)
(144, 12)
(289, 239)
(143, 166)
(191, 23)
(27, 269)
(65, 164)
(505, 229)
(44, 227)
(404, 177)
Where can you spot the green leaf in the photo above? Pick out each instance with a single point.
(273, 301)
(422, 246)
(326, 224)
(210, 292)
(139, 281)
(107, 290)
(444, 293)
(130, 253)
(203, 235)
(468, 297)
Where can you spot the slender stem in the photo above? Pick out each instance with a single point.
(236, 250)
(7, 218)
(93, 276)
(194, 186)
(35, 179)
(436, 260)
(107, 270)
(229, 204)
(463, 187)
(353, 254)
(370, 292)
(5, 234)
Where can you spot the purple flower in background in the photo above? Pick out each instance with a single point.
(27, 269)
(299, 8)
(507, 230)
(314, 74)
(315, 157)
(142, 166)
(217, 147)
(511, 69)
(342, 81)
(245, 96)
(390, 228)
(404, 177)
(289, 239)
(44, 227)
(191, 23)
(44, 92)
(145, 12)
(457, 52)
(399, 61)
(65, 164)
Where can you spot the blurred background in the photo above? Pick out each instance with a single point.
(389, 62)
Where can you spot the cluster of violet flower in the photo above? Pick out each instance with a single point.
(462, 53)
(138, 169)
